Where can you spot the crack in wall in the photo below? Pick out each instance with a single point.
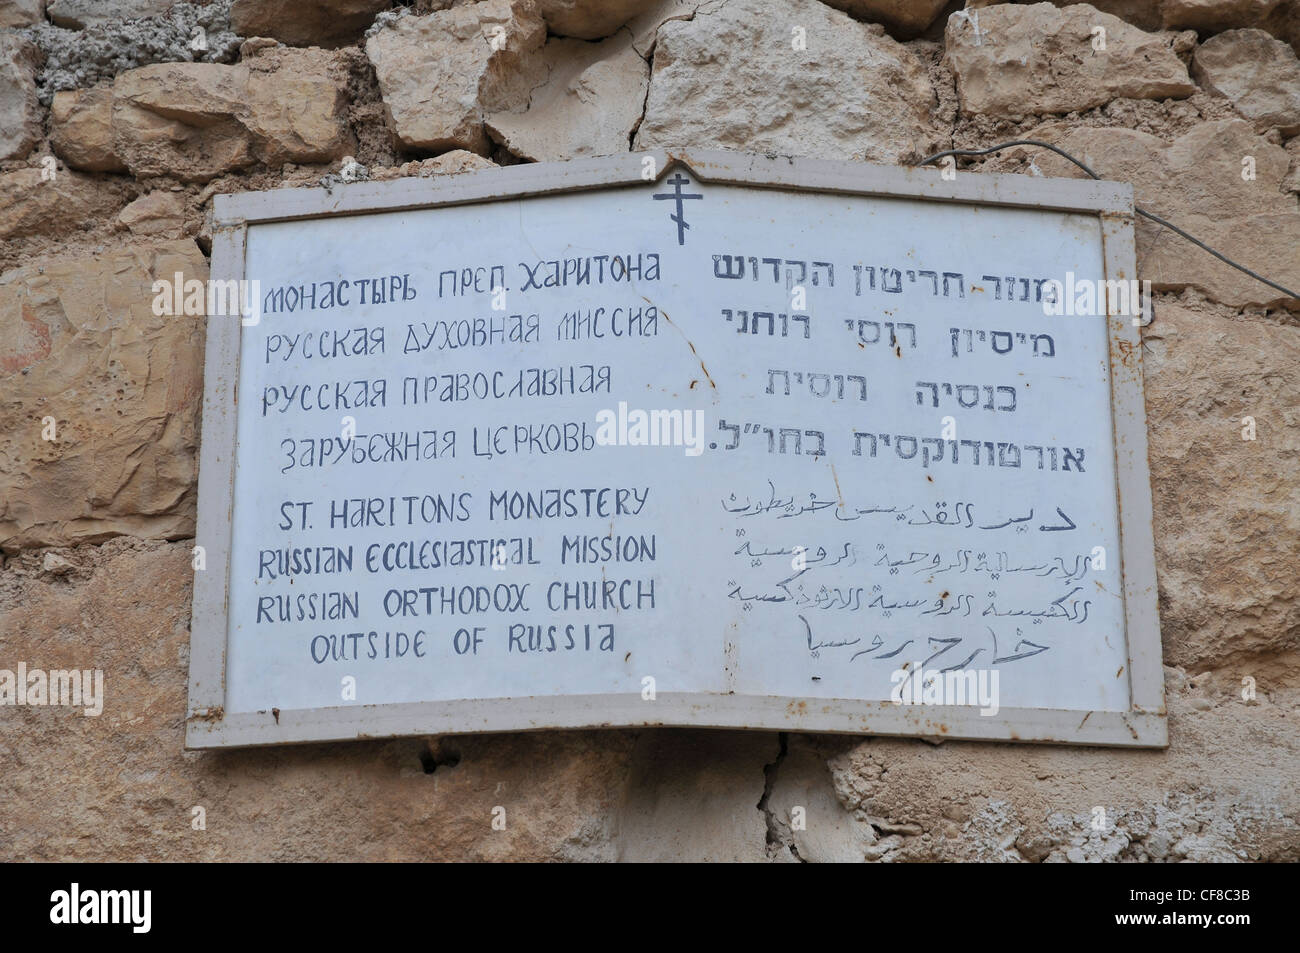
(778, 835)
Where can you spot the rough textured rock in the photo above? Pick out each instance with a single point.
(452, 163)
(1259, 74)
(297, 106)
(124, 609)
(81, 344)
(32, 202)
(1214, 15)
(1292, 181)
(806, 818)
(156, 215)
(21, 13)
(1197, 183)
(81, 129)
(644, 27)
(1208, 16)
(1015, 803)
(77, 59)
(179, 119)
(305, 22)
(195, 121)
(1283, 23)
(589, 19)
(1227, 509)
(78, 14)
(1013, 60)
(590, 105)
(449, 163)
(1141, 13)
(905, 17)
(440, 73)
(852, 94)
(20, 116)
(692, 796)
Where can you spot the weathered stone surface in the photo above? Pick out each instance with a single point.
(692, 796)
(644, 27)
(124, 608)
(156, 215)
(1227, 509)
(80, 59)
(21, 13)
(1208, 16)
(729, 79)
(589, 106)
(1041, 59)
(1284, 23)
(79, 14)
(179, 119)
(440, 73)
(805, 816)
(1141, 13)
(195, 121)
(20, 116)
(1292, 181)
(297, 106)
(1260, 74)
(589, 19)
(449, 163)
(1196, 182)
(305, 22)
(81, 129)
(79, 342)
(907, 17)
(1212, 16)
(34, 205)
(1017, 803)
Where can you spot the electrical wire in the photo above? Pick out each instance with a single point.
(1136, 208)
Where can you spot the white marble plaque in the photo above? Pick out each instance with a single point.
(677, 442)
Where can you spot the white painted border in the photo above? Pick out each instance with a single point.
(207, 725)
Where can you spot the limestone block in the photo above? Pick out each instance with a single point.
(33, 202)
(1227, 509)
(439, 73)
(908, 17)
(79, 343)
(305, 22)
(20, 113)
(81, 129)
(159, 214)
(21, 13)
(589, 19)
(1013, 60)
(1260, 74)
(194, 121)
(590, 104)
(730, 79)
(79, 14)
(1198, 182)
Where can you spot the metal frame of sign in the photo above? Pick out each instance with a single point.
(208, 726)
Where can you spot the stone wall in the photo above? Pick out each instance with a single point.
(120, 119)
